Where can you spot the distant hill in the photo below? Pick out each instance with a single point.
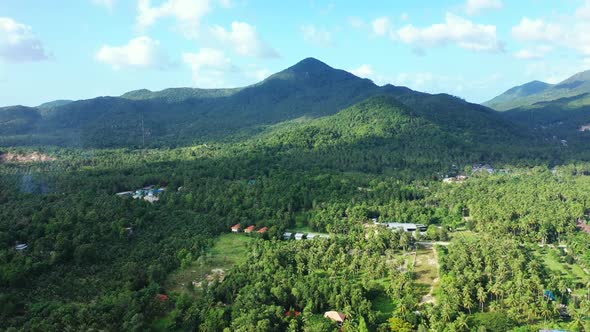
(535, 92)
(310, 89)
(560, 118)
(55, 103)
(179, 94)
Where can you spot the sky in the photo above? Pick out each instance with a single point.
(474, 49)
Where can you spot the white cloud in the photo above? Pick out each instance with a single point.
(537, 30)
(364, 71)
(455, 30)
(212, 68)
(320, 37)
(583, 13)
(226, 3)
(244, 40)
(188, 14)
(356, 22)
(141, 52)
(381, 26)
(527, 54)
(473, 7)
(109, 4)
(209, 67)
(537, 52)
(259, 74)
(18, 43)
(572, 34)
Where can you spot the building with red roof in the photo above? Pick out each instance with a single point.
(162, 297)
(249, 229)
(236, 228)
(263, 230)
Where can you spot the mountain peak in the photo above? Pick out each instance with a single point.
(313, 71)
(583, 76)
(528, 88)
(309, 64)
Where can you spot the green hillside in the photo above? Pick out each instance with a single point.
(185, 116)
(534, 92)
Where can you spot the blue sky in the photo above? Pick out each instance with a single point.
(475, 49)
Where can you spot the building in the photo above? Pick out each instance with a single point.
(249, 229)
(151, 198)
(310, 236)
(236, 228)
(125, 193)
(299, 236)
(406, 227)
(585, 128)
(21, 246)
(263, 230)
(482, 168)
(335, 316)
(287, 235)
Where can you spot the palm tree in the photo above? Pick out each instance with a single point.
(481, 297)
(546, 311)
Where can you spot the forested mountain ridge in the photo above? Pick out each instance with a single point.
(186, 116)
(534, 92)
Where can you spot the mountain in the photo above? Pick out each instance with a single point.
(535, 92)
(308, 90)
(179, 94)
(54, 104)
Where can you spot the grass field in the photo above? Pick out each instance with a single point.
(554, 261)
(426, 273)
(229, 250)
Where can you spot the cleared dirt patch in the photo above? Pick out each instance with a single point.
(32, 157)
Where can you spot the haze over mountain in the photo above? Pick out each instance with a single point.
(536, 92)
(182, 116)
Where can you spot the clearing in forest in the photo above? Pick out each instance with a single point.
(229, 250)
(426, 273)
(555, 260)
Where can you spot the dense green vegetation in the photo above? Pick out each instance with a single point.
(184, 117)
(507, 256)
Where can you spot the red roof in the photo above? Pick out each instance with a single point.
(263, 229)
(292, 313)
(236, 226)
(249, 229)
(162, 297)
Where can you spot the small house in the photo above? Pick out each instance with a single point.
(21, 246)
(407, 227)
(263, 230)
(335, 316)
(151, 198)
(299, 236)
(236, 228)
(311, 236)
(287, 235)
(249, 229)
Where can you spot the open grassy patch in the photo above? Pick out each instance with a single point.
(229, 250)
(426, 267)
(555, 261)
